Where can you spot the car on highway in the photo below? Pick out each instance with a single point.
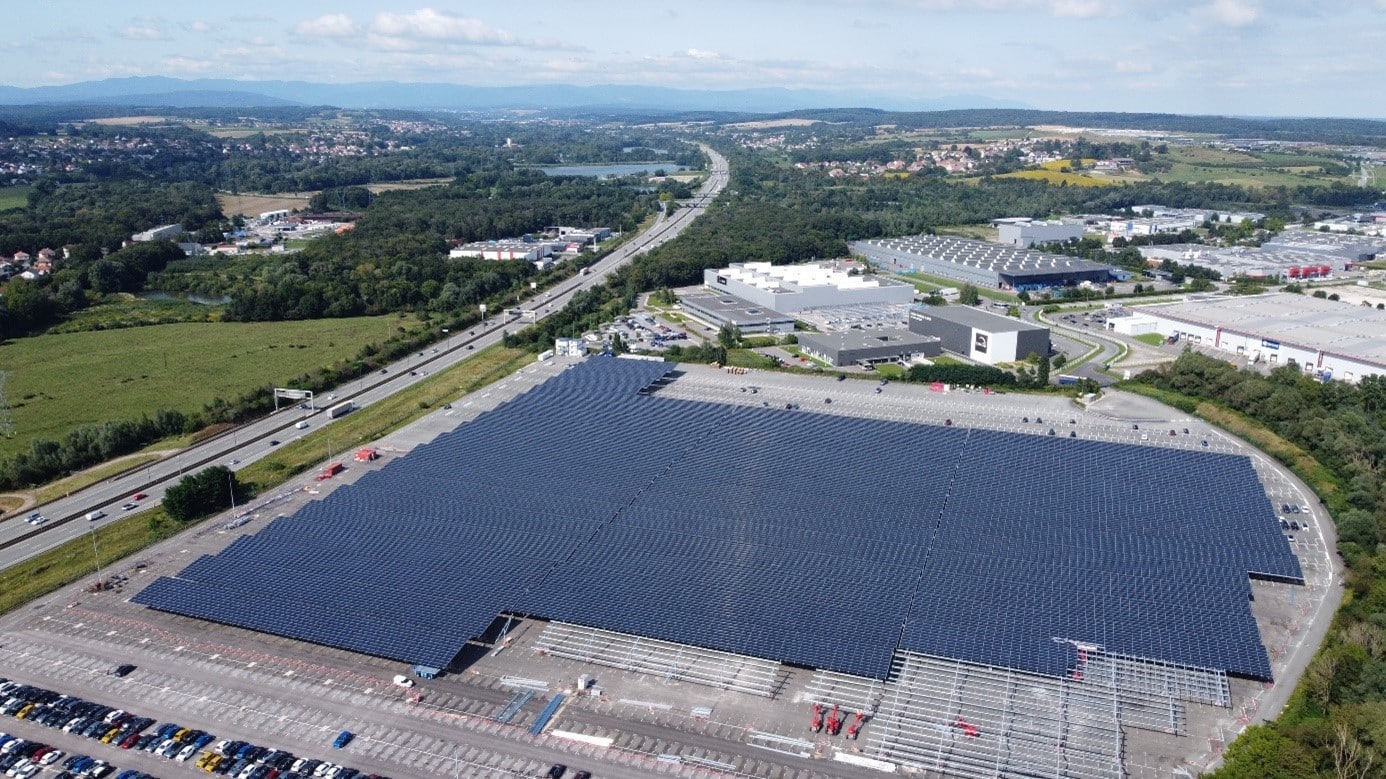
(36, 519)
(129, 507)
(138, 496)
(274, 442)
(92, 516)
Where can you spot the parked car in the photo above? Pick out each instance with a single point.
(342, 739)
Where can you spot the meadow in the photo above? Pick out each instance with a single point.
(61, 381)
(14, 197)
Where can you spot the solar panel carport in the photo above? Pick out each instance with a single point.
(820, 540)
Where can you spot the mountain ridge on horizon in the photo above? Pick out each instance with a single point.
(158, 91)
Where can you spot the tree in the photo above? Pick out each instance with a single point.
(1042, 371)
(1263, 753)
(203, 493)
(1023, 296)
(728, 336)
(1200, 285)
(969, 296)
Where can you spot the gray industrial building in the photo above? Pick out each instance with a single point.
(1326, 338)
(979, 335)
(869, 347)
(985, 264)
(1028, 232)
(723, 309)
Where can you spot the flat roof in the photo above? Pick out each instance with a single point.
(998, 258)
(1343, 329)
(846, 340)
(976, 317)
(731, 308)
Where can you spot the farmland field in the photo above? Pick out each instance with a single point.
(14, 197)
(1056, 178)
(59, 382)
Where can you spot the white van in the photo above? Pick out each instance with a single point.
(92, 516)
(302, 425)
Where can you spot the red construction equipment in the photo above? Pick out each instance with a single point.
(817, 723)
(855, 727)
(834, 721)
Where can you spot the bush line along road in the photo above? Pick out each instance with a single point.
(67, 517)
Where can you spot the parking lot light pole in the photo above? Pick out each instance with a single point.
(95, 556)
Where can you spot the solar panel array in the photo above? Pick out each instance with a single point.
(826, 541)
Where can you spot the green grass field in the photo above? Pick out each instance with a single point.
(58, 382)
(14, 197)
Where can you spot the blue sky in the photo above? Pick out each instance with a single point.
(1248, 57)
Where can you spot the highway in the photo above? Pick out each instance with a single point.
(251, 441)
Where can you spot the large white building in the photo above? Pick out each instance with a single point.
(791, 288)
(161, 233)
(1327, 338)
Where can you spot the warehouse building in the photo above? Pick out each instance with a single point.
(791, 288)
(716, 310)
(869, 347)
(1028, 232)
(978, 335)
(988, 265)
(1325, 338)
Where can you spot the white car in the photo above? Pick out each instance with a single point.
(52, 757)
(403, 681)
(187, 752)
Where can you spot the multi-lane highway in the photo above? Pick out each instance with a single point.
(245, 444)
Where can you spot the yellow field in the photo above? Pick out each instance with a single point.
(1055, 177)
(254, 205)
(1059, 165)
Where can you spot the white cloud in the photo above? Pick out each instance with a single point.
(703, 54)
(200, 26)
(1080, 9)
(428, 24)
(144, 29)
(1235, 13)
(327, 26)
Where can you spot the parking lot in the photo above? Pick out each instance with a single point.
(285, 695)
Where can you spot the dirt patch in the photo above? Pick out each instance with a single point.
(254, 205)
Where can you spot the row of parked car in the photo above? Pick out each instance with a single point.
(23, 759)
(118, 728)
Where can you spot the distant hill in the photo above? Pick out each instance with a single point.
(155, 91)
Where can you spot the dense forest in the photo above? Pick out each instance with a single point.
(1335, 724)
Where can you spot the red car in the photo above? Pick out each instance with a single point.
(129, 741)
(138, 496)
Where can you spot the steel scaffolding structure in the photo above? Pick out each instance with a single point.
(981, 722)
(670, 661)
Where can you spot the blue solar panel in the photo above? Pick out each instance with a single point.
(814, 539)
